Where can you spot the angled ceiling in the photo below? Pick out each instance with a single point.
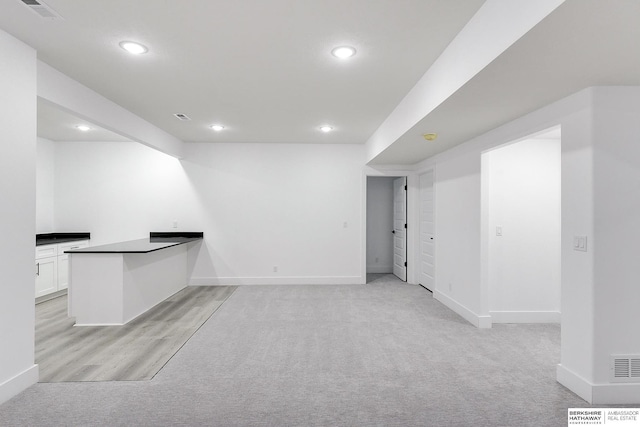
(582, 43)
(57, 125)
(261, 68)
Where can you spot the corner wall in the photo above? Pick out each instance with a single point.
(296, 207)
(17, 216)
(45, 181)
(600, 177)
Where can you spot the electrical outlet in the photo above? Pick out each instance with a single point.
(275, 268)
(175, 223)
(377, 260)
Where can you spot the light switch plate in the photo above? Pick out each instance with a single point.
(580, 243)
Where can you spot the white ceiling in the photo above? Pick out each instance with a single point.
(262, 68)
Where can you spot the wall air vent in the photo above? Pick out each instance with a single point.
(181, 116)
(41, 9)
(625, 368)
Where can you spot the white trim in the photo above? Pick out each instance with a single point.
(380, 269)
(600, 394)
(525, 316)
(482, 322)
(574, 382)
(290, 280)
(16, 385)
(616, 394)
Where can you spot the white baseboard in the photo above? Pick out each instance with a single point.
(318, 280)
(617, 394)
(575, 383)
(599, 394)
(19, 383)
(525, 316)
(379, 269)
(476, 320)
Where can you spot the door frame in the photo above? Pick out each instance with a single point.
(412, 186)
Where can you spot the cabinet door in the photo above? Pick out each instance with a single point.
(46, 276)
(63, 272)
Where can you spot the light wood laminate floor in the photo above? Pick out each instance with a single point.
(135, 351)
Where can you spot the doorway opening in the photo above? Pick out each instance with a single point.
(386, 227)
(522, 183)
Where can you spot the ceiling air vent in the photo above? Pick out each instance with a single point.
(181, 116)
(41, 9)
(625, 368)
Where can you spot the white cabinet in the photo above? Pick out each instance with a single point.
(46, 275)
(52, 266)
(63, 261)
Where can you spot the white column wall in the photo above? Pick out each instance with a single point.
(577, 336)
(616, 139)
(17, 216)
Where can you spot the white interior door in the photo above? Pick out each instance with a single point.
(400, 228)
(426, 276)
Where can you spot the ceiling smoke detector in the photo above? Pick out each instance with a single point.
(41, 9)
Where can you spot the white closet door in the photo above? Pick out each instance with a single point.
(426, 276)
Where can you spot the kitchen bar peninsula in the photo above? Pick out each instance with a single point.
(113, 284)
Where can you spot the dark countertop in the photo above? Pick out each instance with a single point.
(154, 242)
(55, 238)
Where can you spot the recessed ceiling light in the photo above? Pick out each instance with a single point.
(430, 136)
(326, 128)
(217, 128)
(83, 128)
(133, 47)
(343, 52)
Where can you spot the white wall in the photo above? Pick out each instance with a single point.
(524, 201)
(45, 186)
(600, 178)
(17, 216)
(292, 206)
(616, 168)
(458, 213)
(119, 191)
(379, 224)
